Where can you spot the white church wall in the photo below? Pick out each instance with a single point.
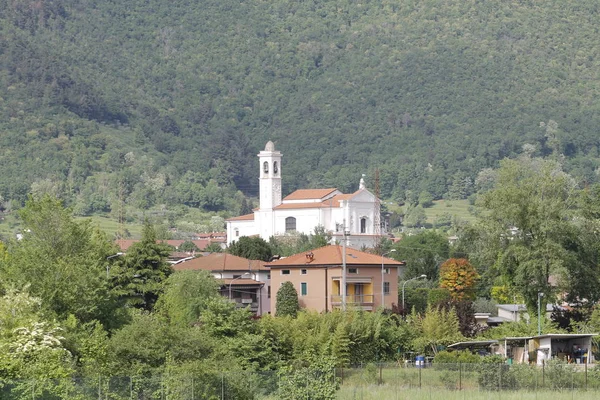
(237, 229)
(306, 220)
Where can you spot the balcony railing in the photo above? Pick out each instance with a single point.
(356, 299)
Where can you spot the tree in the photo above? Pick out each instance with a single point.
(415, 217)
(63, 262)
(188, 246)
(459, 277)
(530, 212)
(140, 274)
(185, 296)
(287, 301)
(214, 248)
(425, 199)
(423, 253)
(252, 248)
(438, 327)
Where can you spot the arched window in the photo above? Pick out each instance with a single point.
(275, 168)
(363, 225)
(290, 224)
(266, 167)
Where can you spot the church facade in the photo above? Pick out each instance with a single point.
(305, 209)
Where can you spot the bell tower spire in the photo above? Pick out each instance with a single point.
(270, 177)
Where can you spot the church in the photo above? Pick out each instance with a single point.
(305, 209)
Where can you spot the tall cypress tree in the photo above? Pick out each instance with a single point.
(143, 270)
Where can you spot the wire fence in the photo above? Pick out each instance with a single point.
(388, 380)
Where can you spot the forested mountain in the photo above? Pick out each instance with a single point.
(167, 102)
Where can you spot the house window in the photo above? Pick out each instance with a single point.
(285, 272)
(237, 233)
(268, 276)
(353, 270)
(268, 292)
(275, 168)
(237, 276)
(303, 272)
(363, 225)
(290, 224)
(266, 167)
(303, 289)
(386, 288)
(387, 270)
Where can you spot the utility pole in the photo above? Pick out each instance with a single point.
(344, 267)
(377, 214)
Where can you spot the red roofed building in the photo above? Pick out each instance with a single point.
(305, 209)
(317, 277)
(246, 282)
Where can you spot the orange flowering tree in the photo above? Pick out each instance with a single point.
(459, 277)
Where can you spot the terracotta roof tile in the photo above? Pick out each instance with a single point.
(332, 255)
(246, 217)
(306, 194)
(220, 262)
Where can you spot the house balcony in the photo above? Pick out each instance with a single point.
(356, 301)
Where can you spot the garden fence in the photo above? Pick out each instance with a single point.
(392, 379)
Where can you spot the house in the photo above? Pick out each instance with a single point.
(371, 280)
(355, 215)
(518, 312)
(246, 282)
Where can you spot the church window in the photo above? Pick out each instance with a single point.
(275, 168)
(363, 225)
(266, 167)
(290, 224)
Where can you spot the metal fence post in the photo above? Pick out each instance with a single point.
(500, 377)
(380, 374)
(420, 377)
(460, 376)
(586, 377)
(543, 373)
(131, 388)
(222, 386)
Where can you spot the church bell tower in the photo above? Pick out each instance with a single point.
(270, 177)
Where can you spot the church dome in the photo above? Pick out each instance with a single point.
(270, 146)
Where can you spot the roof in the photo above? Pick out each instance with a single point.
(472, 344)
(565, 335)
(246, 217)
(332, 202)
(332, 255)
(306, 194)
(220, 262)
(522, 307)
(124, 244)
(240, 282)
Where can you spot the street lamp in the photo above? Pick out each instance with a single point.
(382, 278)
(108, 265)
(404, 284)
(539, 297)
(238, 277)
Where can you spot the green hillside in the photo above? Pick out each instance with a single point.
(162, 103)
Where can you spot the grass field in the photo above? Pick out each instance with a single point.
(111, 226)
(458, 208)
(385, 392)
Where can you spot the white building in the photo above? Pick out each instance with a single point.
(305, 209)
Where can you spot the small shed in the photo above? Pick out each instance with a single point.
(570, 347)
